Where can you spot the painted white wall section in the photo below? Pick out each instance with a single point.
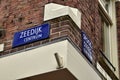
(114, 43)
(53, 10)
(42, 60)
(32, 62)
(78, 65)
(1, 47)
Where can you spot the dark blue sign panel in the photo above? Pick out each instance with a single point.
(86, 46)
(31, 35)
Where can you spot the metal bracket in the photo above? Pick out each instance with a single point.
(59, 60)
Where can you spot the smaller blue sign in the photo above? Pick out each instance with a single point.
(86, 46)
(30, 35)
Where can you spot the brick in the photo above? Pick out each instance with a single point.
(64, 33)
(37, 43)
(28, 45)
(21, 48)
(45, 41)
(65, 22)
(61, 28)
(54, 35)
(13, 50)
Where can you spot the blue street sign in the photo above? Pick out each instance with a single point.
(32, 34)
(86, 46)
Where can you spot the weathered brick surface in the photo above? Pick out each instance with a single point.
(17, 15)
(118, 28)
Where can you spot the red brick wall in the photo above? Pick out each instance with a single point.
(118, 28)
(17, 15)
